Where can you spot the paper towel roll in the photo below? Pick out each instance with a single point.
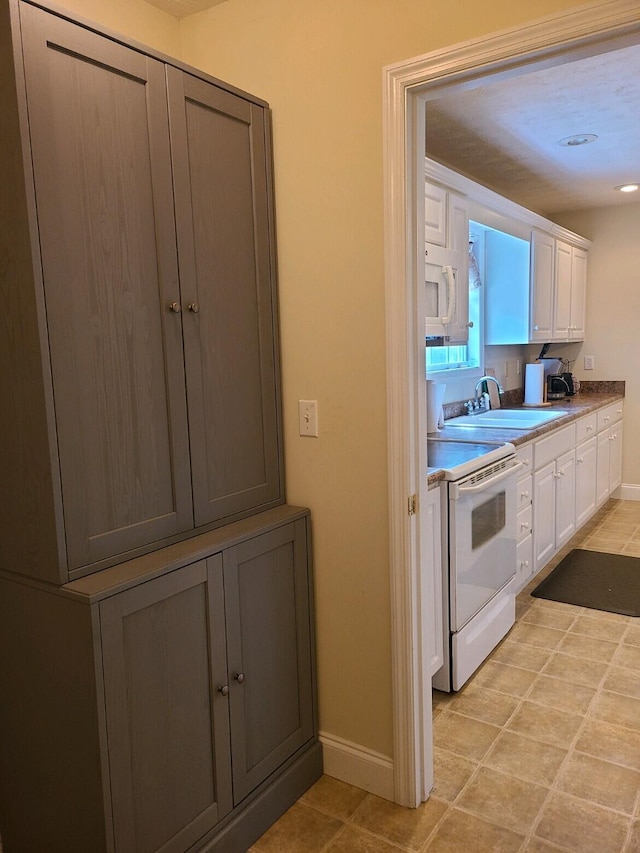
(533, 384)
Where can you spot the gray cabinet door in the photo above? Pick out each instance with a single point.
(268, 652)
(102, 168)
(164, 663)
(227, 274)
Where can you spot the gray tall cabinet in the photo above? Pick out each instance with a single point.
(156, 614)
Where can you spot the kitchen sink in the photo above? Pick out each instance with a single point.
(507, 419)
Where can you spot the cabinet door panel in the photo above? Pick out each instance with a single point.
(226, 267)
(267, 608)
(98, 115)
(542, 291)
(565, 498)
(544, 510)
(167, 724)
(562, 308)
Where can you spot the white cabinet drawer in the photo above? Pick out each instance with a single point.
(586, 427)
(524, 454)
(554, 445)
(524, 523)
(524, 561)
(611, 414)
(524, 492)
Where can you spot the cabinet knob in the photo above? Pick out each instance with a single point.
(579, 459)
(224, 690)
(589, 428)
(470, 324)
(535, 328)
(524, 564)
(524, 494)
(525, 525)
(194, 307)
(239, 677)
(175, 307)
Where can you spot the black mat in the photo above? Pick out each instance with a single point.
(592, 579)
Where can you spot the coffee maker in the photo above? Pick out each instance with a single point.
(559, 386)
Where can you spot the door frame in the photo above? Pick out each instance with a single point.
(407, 86)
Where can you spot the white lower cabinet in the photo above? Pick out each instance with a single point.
(609, 453)
(432, 600)
(575, 469)
(554, 488)
(586, 478)
(524, 518)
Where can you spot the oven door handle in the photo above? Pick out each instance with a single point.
(458, 491)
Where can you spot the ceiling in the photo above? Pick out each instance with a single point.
(181, 8)
(505, 135)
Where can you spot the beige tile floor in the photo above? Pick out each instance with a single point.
(539, 752)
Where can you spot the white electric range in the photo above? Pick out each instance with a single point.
(479, 552)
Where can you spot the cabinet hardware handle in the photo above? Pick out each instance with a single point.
(224, 690)
(239, 677)
(524, 564)
(589, 428)
(524, 494)
(579, 459)
(470, 324)
(524, 525)
(194, 307)
(175, 307)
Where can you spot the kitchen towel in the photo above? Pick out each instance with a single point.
(435, 414)
(534, 384)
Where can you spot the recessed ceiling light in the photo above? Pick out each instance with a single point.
(628, 188)
(578, 139)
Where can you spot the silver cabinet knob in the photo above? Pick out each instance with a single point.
(194, 307)
(175, 307)
(224, 690)
(239, 677)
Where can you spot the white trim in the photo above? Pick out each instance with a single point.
(357, 766)
(579, 32)
(629, 492)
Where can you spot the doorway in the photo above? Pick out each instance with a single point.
(408, 87)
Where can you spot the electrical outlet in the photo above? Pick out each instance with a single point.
(589, 362)
(308, 417)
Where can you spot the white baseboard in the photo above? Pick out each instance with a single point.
(628, 492)
(363, 768)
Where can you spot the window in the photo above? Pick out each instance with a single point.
(462, 359)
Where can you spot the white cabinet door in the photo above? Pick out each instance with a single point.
(432, 601)
(565, 498)
(435, 215)
(602, 469)
(615, 457)
(586, 480)
(578, 293)
(562, 297)
(458, 241)
(542, 275)
(544, 508)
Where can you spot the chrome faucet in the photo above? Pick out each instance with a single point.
(478, 404)
(486, 379)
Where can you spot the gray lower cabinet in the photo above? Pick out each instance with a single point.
(139, 346)
(172, 705)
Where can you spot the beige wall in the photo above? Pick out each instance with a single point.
(319, 64)
(613, 310)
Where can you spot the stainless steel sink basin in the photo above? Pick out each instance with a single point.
(507, 418)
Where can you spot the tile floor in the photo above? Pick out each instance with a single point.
(539, 752)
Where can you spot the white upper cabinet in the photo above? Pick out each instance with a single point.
(446, 265)
(558, 289)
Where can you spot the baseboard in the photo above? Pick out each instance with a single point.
(364, 768)
(627, 492)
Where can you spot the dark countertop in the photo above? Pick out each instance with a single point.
(576, 406)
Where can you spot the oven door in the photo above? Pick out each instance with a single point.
(482, 538)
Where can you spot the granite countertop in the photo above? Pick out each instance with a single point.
(576, 406)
